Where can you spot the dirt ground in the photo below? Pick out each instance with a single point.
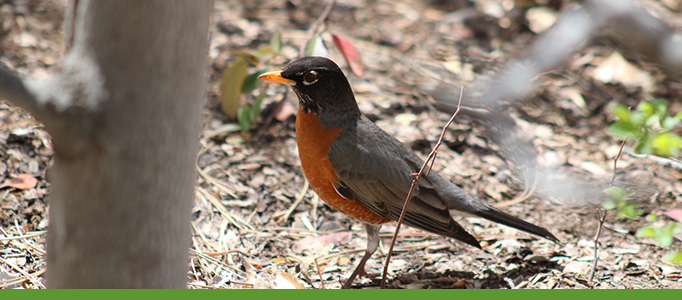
(256, 222)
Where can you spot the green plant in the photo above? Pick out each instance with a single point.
(620, 199)
(650, 126)
(237, 83)
(663, 232)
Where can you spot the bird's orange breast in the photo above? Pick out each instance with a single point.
(314, 141)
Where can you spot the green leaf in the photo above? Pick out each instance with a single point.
(677, 229)
(316, 47)
(231, 87)
(629, 210)
(624, 130)
(650, 121)
(666, 144)
(647, 108)
(669, 123)
(646, 232)
(663, 234)
(660, 107)
(616, 193)
(276, 41)
(251, 81)
(609, 204)
(643, 148)
(255, 111)
(637, 118)
(674, 257)
(665, 239)
(621, 111)
(244, 117)
(651, 217)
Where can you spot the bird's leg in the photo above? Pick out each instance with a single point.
(372, 245)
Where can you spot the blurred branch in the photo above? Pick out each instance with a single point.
(12, 88)
(622, 22)
(316, 28)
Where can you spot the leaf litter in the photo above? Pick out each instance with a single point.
(405, 46)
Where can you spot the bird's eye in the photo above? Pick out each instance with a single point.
(310, 78)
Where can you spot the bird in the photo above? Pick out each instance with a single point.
(362, 171)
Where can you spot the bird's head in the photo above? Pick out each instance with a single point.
(320, 85)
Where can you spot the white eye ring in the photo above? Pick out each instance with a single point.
(310, 78)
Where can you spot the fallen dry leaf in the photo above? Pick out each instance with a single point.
(22, 182)
(286, 280)
(327, 239)
(285, 260)
(616, 69)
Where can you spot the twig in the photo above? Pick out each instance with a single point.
(615, 162)
(319, 273)
(323, 17)
(21, 271)
(528, 190)
(211, 259)
(24, 236)
(233, 219)
(10, 282)
(317, 26)
(299, 198)
(210, 179)
(415, 181)
(601, 214)
(664, 161)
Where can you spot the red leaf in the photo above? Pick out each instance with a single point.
(22, 182)
(350, 53)
(675, 214)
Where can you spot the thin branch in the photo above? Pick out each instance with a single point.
(299, 198)
(429, 162)
(12, 88)
(21, 271)
(319, 273)
(615, 162)
(323, 17)
(637, 34)
(317, 26)
(601, 214)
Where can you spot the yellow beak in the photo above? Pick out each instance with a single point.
(276, 76)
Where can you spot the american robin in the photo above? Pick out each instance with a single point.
(362, 171)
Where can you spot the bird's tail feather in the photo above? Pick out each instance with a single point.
(498, 216)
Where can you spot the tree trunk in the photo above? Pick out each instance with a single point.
(124, 113)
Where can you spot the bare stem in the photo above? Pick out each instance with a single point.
(601, 214)
(318, 25)
(429, 162)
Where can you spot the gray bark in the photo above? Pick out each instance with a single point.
(124, 113)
